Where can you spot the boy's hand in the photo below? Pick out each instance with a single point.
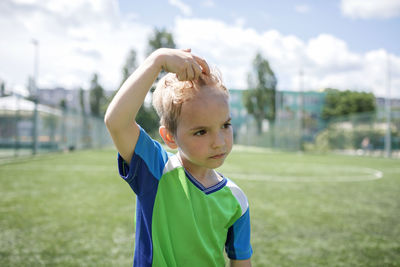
(183, 63)
(124, 107)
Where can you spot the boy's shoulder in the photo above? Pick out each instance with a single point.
(238, 193)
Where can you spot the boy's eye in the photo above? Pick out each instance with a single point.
(200, 133)
(227, 125)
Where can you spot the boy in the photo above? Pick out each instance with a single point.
(186, 212)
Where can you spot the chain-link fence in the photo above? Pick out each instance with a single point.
(57, 130)
(364, 133)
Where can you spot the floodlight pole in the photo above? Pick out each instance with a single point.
(388, 137)
(36, 97)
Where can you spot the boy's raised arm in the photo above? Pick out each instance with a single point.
(121, 113)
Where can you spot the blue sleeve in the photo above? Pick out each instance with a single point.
(237, 244)
(147, 164)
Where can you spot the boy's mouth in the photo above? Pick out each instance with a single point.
(218, 156)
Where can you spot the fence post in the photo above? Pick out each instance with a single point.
(388, 139)
(35, 128)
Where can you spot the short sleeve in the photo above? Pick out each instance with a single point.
(146, 166)
(237, 244)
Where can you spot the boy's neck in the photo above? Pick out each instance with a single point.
(207, 177)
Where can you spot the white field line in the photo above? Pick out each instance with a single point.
(366, 174)
(360, 173)
(46, 167)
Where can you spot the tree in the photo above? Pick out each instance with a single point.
(259, 99)
(147, 116)
(85, 128)
(160, 38)
(129, 66)
(82, 100)
(342, 103)
(97, 97)
(3, 89)
(63, 104)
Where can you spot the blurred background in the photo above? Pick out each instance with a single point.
(315, 101)
(319, 76)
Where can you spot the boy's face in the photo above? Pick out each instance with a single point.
(204, 133)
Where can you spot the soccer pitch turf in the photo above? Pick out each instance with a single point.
(306, 210)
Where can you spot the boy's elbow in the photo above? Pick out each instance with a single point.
(114, 123)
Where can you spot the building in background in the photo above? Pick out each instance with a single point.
(53, 97)
(288, 107)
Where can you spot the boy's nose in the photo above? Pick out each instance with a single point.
(219, 140)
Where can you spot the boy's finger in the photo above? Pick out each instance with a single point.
(180, 77)
(189, 73)
(196, 70)
(203, 64)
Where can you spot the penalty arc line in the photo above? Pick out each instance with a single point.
(371, 174)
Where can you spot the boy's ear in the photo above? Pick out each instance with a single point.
(168, 137)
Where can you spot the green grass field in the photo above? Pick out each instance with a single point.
(306, 210)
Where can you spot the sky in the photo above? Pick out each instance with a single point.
(344, 44)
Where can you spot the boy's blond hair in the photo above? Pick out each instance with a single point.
(171, 93)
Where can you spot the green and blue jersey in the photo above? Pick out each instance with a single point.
(179, 222)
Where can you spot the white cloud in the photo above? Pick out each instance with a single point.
(76, 39)
(302, 8)
(367, 9)
(240, 22)
(184, 8)
(325, 59)
(328, 53)
(79, 39)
